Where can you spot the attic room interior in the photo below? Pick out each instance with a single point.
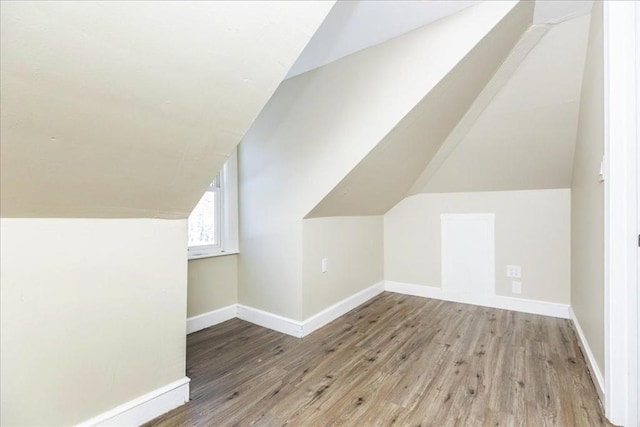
(304, 213)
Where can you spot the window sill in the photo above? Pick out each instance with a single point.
(211, 255)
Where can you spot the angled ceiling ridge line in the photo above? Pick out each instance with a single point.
(586, 53)
(566, 18)
(294, 73)
(529, 40)
(402, 122)
(408, 118)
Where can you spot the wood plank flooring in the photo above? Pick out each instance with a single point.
(397, 360)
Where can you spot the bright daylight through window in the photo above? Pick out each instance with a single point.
(204, 221)
(213, 223)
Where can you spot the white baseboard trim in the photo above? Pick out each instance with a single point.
(330, 314)
(495, 301)
(144, 408)
(300, 329)
(596, 374)
(270, 320)
(211, 318)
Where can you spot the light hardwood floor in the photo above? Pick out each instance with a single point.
(397, 360)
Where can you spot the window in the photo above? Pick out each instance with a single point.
(205, 221)
(213, 224)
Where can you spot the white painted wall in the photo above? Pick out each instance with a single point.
(587, 197)
(92, 315)
(532, 229)
(212, 284)
(353, 247)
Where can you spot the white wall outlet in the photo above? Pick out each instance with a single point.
(324, 267)
(516, 287)
(514, 271)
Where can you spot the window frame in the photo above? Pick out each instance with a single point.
(227, 209)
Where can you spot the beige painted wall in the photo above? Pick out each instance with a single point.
(532, 230)
(354, 250)
(587, 198)
(270, 263)
(92, 315)
(315, 130)
(212, 283)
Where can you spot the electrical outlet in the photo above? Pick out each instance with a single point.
(514, 271)
(324, 265)
(516, 287)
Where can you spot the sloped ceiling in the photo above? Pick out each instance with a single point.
(480, 128)
(358, 24)
(555, 11)
(320, 124)
(355, 25)
(127, 109)
(524, 46)
(383, 177)
(525, 137)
